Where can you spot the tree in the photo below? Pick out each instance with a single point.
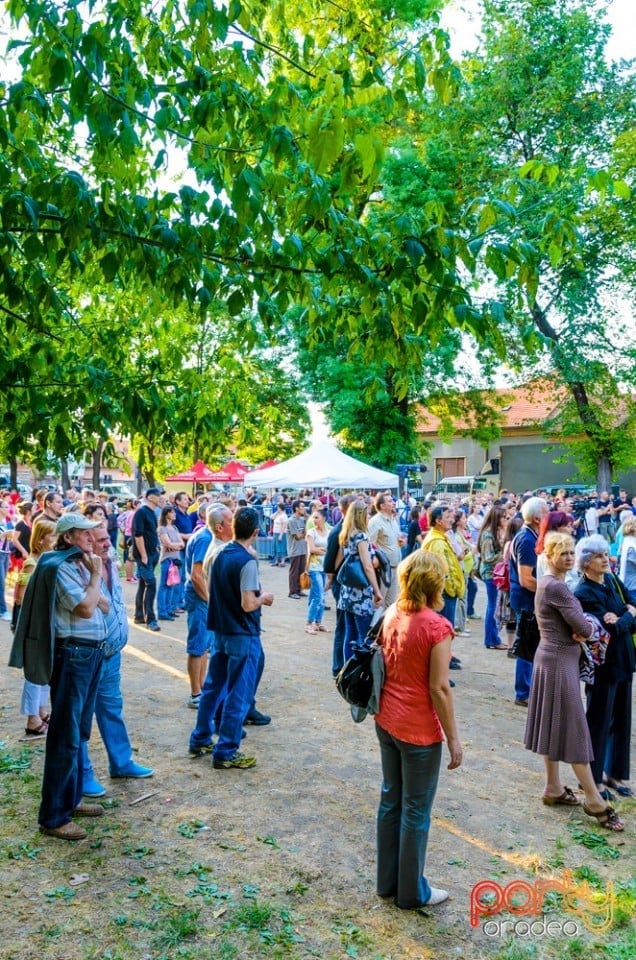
(535, 133)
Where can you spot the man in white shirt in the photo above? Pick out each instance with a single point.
(384, 533)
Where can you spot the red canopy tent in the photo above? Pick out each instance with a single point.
(267, 464)
(236, 471)
(200, 473)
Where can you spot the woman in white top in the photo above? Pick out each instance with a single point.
(627, 564)
(171, 545)
(316, 538)
(279, 531)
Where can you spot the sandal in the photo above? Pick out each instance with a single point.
(40, 731)
(322, 629)
(607, 818)
(567, 799)
(311, 630)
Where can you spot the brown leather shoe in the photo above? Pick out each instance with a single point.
(68, 831)
(88, 810)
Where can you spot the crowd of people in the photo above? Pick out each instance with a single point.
(552, 602)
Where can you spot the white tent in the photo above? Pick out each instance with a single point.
(322, 465)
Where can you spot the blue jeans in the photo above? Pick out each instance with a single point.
(449, 609)
(409, 782)
(316, 601)
(4, 566)
(280, 547)
(231, 679)
(337, 654)
(146, 591)
(355, 631)
(471, 595)
(74, 682)
(109, 706)
(491, 633)
(167, 597)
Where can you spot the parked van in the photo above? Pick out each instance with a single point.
(466, 486)
(119, 490)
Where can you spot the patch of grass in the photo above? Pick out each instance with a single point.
(592, 840)
(513, 950)
(176, 926)
(23, 850)
(15, 764)
(60, 893)
(191, 828)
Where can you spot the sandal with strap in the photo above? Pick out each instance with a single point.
(40, 731)
(607, 818)
(568, 799)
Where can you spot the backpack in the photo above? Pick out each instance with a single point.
(354, 683)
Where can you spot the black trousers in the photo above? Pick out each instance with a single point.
(609, 718)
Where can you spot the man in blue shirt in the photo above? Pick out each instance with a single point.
(523, 586)
(218, 526)
(234, 614)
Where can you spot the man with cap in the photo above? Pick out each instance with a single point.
(109, 703)
(145, 539)
(60, 639)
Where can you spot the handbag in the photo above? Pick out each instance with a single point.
(501, 575)
(593, 650)
(354, 683)
(173, 576)
(351, 573)
(305, 582)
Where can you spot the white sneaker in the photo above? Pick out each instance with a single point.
(5, 616)
(437, 896)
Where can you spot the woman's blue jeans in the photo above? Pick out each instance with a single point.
(167, 597)
(356, 629)
(4, 566)
(317, 579)
(491, 633)
(74, 682)
(409, 782)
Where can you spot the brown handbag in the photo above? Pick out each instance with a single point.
(305, 582)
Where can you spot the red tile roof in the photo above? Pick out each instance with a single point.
(531, 404)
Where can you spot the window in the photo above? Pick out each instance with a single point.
(449, 467)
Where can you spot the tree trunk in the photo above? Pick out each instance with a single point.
(97, 462)
(604, 473)
(13, 473)
(66, 480)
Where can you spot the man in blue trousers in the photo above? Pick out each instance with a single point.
(109, 702)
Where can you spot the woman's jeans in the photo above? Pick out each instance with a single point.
(356, 629)
(76, 673)
(4, 566)
(167, 597)
(491, 633)
(471, 595)
(317, 579)
(280, 547)
(410, 773)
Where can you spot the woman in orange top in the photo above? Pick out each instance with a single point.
(416, 712)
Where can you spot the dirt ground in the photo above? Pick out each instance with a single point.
(278, 861)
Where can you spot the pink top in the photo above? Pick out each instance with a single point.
(406, 708)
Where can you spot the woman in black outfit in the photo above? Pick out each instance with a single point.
(609, 698)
